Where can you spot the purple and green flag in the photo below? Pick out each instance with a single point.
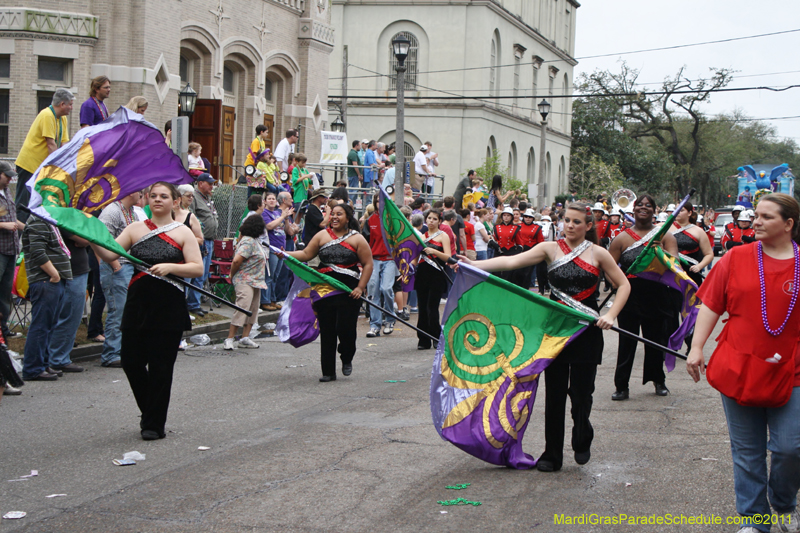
(297, 323)
(654, 264)
(100, 165)
(496, 340)
(401, 239)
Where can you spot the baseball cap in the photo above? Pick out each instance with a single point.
(205, 176)
(365, 141)
(423, 148)
(7, 169)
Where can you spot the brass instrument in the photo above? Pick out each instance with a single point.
(622, 199)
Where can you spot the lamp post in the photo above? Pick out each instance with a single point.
(400, 48)
(187, 99)
(338, 125)
(544, 110)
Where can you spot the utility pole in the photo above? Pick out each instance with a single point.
(344, 87)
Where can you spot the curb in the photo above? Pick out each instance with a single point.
(216, 330)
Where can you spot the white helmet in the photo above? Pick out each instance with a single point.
(662, 217)
(738, 208)
(671, 207)
(528, 213)
(699, 218)
(750, 213)
(599, 207)
(745, 217)
(508, 210)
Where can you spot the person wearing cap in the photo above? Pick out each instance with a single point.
(317, 215)
(730, 226)
(742, 234)
(206, 212)
(420, 168)
(10, 230)
(115, 277)
(505, 237)
(528, 236)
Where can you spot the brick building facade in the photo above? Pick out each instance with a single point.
(250, 61)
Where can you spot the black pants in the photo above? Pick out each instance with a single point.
(430, 285)
(571, 374)
(148, 358)
(23, 196)
(338, 318)
(98, 298)
(652, 328)
(541, 277)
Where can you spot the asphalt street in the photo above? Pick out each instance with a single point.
(290, 454)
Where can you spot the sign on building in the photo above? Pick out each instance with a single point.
(334, 148)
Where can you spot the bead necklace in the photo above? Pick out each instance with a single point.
(795, 288)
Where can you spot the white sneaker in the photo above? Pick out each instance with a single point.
(374, 332)
(749, 529)
(247, 342)
(229, 344)
(789, 522)
(388, 329)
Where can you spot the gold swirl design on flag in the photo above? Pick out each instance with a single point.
(490, 393)
(404, 267)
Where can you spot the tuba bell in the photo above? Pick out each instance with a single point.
(622, 199)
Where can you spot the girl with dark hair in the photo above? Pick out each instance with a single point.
(341, 248)
(155, 314)
(649, 306)
(574, 266)
(431, 281)
(496, 196)
(756, 364)
(692, 242)
(248, 274)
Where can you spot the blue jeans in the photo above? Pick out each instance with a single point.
(352, 182)
(7, 265)
(748, 428)
(285, 277)
(193, 297)
(275, 267)
(480, 255)
(68, 318)
(45, 299)
(380, 284)
(412, 299)
(115, 289)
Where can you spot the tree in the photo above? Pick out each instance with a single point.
(492, 166)
(591, 176)
(662, 117)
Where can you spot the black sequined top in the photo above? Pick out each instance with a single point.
(576, 282)
(688, 246)
(152, 303)
(343, 257)
(627, 258)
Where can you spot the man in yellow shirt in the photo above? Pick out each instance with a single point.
(48, 133)
(258, 145)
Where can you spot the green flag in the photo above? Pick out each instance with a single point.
(309, 275)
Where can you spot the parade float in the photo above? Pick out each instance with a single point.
(754, 181)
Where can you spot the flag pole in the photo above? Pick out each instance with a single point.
(379, 308)
(172, 277)
(648, 342)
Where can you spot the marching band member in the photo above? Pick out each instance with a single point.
(740, 234)
(528, 236)
(574, 266)
(430, 281)
(692, 244)
(642, 309)
(505, 235)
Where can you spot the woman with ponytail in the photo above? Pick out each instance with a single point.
(574, 266)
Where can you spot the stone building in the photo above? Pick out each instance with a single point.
(509, 53)
(250, 61)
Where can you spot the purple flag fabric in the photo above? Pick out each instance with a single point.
(297, 323)
(401, 239)
(104, 163)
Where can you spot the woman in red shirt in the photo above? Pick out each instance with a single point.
(756, 365)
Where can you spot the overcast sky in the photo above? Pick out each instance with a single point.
(614, 26)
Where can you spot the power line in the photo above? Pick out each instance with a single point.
(674, 47)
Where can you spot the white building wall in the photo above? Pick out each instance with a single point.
(456, 37)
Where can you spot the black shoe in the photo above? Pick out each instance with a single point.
(347, 369)
(116, 363)
(72, 367)
(543, 465)
(325, 379)
(199, 312)
(51, 370)
(423, 347)
(44, 376)
(661, 390)
(149, 434)
(583, 457)
(620, 395)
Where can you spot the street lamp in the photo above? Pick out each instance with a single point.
(337, 125)
(187, 99)
(544, 110)
(400, 47)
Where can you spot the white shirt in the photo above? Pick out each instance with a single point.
(480, 244)
(139, 213)
(420, 163)
(282, 153)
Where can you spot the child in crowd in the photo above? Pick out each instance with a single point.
(248, 273)
(301, 179)
(196, 165)
(257, 182)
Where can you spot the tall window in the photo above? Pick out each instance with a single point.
(5, 66)
(516, 79)
(268, 90)
(227, 80)
(411, 62)
(3, 122)
(184, 69)
(493, 69)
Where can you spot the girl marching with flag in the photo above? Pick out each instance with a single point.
(574, 266)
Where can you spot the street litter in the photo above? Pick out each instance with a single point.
(33, 473)
(628, 484)
(55, 495)
(459, 486)
(368, 345)
(458, 501)
(295, 366)
(442, 512)
(203, 448)
(116, 381)
(129, 458)
(13, 515)
(268, 325)
(20, 479)
(395, 381)
(200, 340)
(708, 459)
